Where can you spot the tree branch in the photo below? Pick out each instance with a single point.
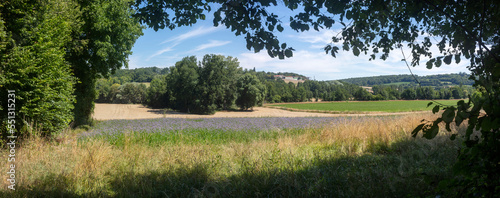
(468, 32)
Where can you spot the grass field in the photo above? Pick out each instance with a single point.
(258, 157)
(367, 106)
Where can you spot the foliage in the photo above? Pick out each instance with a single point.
(99, 47)
(251, 91)
(146, 74)
(217, 82)
(201, 88)
(157, 96)
(430, 80)
(182, 83)
(34, 66)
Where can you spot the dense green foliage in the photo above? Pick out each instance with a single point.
(430, 80)
(213, 84)
(100, 46)
(146, 74)
(34, 39)
(250, 91)
(107, 92)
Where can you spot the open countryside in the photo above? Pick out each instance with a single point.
(263, 98)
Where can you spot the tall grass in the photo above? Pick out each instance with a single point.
(365, 157)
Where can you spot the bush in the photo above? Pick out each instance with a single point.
(34, 67)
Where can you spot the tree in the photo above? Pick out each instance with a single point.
(33, 36)
(99, 47)
(217, 82)
(183, 84)
(251, 91)
(157, 93)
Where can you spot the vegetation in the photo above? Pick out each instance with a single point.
(216, 83)
(278, 91)
(34, 39)
(94, 38)
(377, 106)
(430, 80)
(251, 92)
(100, 45)
(349, 157)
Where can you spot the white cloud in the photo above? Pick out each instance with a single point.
(159, 52)
(193, 33)
(211, 44)
(321, 37)
(175, 41)
(312, 64)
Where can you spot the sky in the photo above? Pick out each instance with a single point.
(165, 47)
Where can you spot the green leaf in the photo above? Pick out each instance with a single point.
(430, 103)
(438, 62)
(431, 132)
(288, 53)
(448, 115)
(435, 109)
(430, 63)
(270, 27)
(355, 51)
(486, 125)
(457, 58)
(348, 14)
(416, 130)
(280, 28)
(447, 59)
(283, 45)
(448, 128)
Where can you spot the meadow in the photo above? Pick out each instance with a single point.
(370, 156)
(365, 106)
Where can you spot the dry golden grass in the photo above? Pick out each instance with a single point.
(96, 168)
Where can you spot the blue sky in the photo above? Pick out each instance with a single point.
(165, 47)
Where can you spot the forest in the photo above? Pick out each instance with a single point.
(156, 87)
(430, 80)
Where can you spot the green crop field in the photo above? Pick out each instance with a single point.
(382, 106)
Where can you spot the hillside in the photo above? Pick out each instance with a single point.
(431, 80)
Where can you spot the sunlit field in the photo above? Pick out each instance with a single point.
(367, 106)
(236, 157)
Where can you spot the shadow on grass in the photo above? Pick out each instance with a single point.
(403, 169)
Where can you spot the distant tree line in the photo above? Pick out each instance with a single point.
(217, 83)
(430, 80)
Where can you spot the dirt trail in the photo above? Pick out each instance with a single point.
(136, 111)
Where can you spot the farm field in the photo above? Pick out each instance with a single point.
(237, 157)
(365, 106)
(137, 111)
